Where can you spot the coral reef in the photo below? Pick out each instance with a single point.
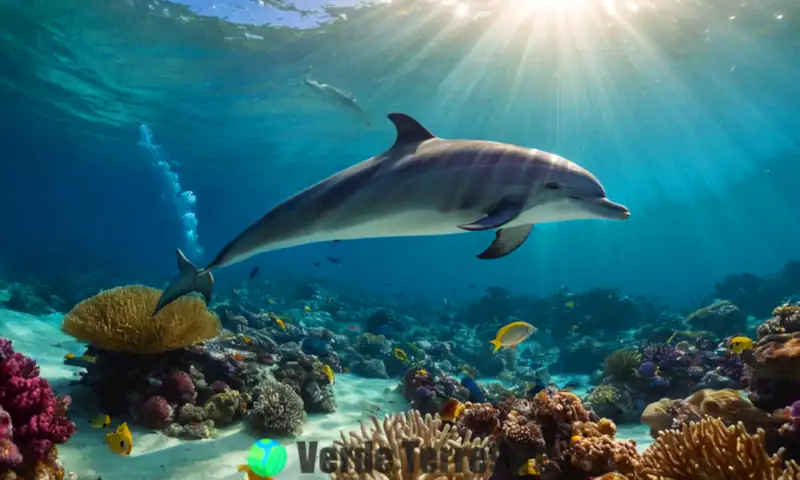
(121, 319)
(32, 419)
(277, 409)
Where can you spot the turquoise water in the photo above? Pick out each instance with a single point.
(130, 128)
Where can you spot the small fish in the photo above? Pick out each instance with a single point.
(120, 441)
(307, 308)
(400, 355)
(317, 264)
(512, 335)
(422, 371)
(451, 410)
(236, 291)
(353, 327)
(69, 356)
(253, 272)
(334, 260)
(280, 324)
(574, 327)
(238, 356)
(247, 339)
(388, 390)
(272, 301)
(739, 344)
(89, 358)
(570, 304)
(251, 475)
(472, 286)
(529, 468)
(328, 371)
(100, 421)
(446, 303)
(331, 299)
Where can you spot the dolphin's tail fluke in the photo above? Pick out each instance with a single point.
(189, 279)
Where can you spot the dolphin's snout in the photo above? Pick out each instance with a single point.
(605, 208)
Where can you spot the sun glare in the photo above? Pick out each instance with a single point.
(528, 6)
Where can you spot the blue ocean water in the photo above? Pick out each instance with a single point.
(130, 128)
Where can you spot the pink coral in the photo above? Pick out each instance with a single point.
(156, 412)
(32, 418)
(179, 388)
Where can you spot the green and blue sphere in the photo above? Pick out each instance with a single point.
(266, 457)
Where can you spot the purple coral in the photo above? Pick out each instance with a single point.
(662, 354)
(32, 418)
(179, 388)
(156, 412)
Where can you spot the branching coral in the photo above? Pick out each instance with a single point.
(121, 319)
(276, 409)
(32, 419)
(707, 450)
(413, 443)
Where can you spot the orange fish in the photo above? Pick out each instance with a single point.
(238, 356)
(451, 410)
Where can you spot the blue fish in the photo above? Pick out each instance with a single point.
(315, 346)
(476, 394)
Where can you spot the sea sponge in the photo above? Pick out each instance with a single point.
(400, 434)
(121, 319)
(277, 409)
(707, 450)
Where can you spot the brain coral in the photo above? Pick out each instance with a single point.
(121, 319)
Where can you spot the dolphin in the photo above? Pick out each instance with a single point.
(339, 97)
(422, 185)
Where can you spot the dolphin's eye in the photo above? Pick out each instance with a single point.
(552, 186)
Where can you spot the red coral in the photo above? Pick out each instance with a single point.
(32, 418)
(179, 388)
(156, 412)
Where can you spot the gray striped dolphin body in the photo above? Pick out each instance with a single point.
(422, 185)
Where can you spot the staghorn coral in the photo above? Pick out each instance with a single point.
(622, 365)
(276, 409)
(708, 450)
(411, 438)
(121, 319)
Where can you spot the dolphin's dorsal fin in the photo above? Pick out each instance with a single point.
(409, 131)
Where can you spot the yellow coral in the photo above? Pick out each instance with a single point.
(121, 320)
(709, 450)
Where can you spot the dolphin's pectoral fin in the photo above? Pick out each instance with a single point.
(501, 215)
(409, 131)
(506, 241)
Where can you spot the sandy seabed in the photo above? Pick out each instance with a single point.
(156, 456)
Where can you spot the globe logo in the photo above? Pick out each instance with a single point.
(266, 457)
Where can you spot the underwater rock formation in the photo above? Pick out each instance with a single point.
(722, 318)
(32, 419)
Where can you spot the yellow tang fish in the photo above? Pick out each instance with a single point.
(101, 421)
(120, 441)
(307, 308)
(251, 475)
(400, 355)
(512, 335)
(280, 323)
(69, 356)
(739, 344)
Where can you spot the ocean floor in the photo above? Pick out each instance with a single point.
(156, 456)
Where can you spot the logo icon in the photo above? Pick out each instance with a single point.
(266, 457)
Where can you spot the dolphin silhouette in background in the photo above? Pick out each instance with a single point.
(422, 185)
(338, 97)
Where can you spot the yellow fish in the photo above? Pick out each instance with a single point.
(101, 421)
(120, 441)
(422, 371)
(512, 335)
(328, 371)
(251, 475)
(89, 358)
(672, 337)
(69, 356)
(570, 304)
(451, 410)
(529, 468)
(400, 355)
(280, 323)
(246, 339)
(739, 344)
(307, 308)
